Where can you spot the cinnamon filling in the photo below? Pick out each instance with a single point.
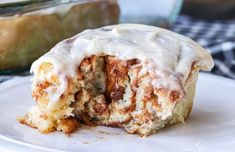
(103, 83)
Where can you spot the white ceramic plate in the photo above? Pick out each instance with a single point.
(211, 126)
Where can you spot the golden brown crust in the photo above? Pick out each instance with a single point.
(24, 120)
(68, 125)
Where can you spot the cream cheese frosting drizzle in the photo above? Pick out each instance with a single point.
(167, 54)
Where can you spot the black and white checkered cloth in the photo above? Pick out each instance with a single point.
(217, 36)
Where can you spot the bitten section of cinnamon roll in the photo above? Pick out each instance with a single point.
(137, 77)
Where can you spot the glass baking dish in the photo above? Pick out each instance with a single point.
(152, 12)
(30, 28)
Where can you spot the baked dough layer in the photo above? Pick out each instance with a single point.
(137, 77)
(109, 91)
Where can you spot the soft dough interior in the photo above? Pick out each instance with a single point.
(108, 91)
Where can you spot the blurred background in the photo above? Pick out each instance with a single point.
(211, 23)
(29, 28)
